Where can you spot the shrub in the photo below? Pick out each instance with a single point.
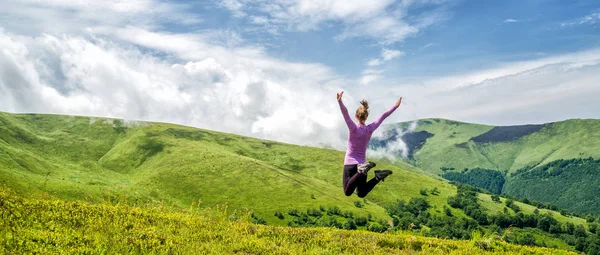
(279, 215)
(358, 204)
(361, 221)
(293, 212)
(334, 210)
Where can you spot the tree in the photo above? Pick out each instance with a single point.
(525, 239)
(361, 221)
(358, 204)
(555, 229)
(580, 231)
(496, 198)
(569, 228)
(545, 222)
(447, 211)
(593, 227)
(593, 249)
(279, 215)
(509, 202)
(350, 224)
(376, 227)
(333, 211)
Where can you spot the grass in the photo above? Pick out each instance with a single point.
(541, 238)
(494, 207)
(47, 225)
(451, 145)
(83, 158)
(96, 160)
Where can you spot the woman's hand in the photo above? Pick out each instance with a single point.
(399, 102)
(339, 96)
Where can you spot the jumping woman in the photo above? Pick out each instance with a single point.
(356, 166)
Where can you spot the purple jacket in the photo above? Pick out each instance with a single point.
(359, 136)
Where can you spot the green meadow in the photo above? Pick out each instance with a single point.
(94, 181)
(51, 226)
(82, 158)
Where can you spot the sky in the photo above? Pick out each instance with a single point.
(271, 69)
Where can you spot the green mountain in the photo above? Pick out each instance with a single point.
(96, 159)
(102, 160)
(530, 158)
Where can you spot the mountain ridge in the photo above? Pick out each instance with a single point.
(457, 147)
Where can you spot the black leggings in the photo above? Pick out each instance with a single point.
(353, 180)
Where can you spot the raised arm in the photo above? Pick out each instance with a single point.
(349, 122)
(386, 114)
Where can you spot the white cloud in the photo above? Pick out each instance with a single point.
(537, 91)
(374, 62)
(244, 91)
(115, 63)
(510, 21)
(395, 146)
(390, 54)
(590, 19)
(369, 78)
(426, 46)
(127, 66)
(239, 91)
(34, 17)
(383, 20)
(370, 75)
(235, 6)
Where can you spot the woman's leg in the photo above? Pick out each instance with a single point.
(352, 179)
(366, 187)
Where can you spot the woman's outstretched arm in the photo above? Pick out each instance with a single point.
(349, 122)
(386, 114)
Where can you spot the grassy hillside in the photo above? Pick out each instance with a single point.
(463, 145)
(90, 158)
(54, 226)
(495, 207)
(571, 184)
(524, 155)
(138, 163)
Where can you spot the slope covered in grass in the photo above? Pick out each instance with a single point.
(572, 184)
(462, 145)
(90, 158)
(469, 153)
(31, 225)
(99, 160)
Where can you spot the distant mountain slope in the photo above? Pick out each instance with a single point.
(460, 150)
(462, 145)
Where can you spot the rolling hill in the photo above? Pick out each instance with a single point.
(466, 152)
(101, 160)
(94, 158)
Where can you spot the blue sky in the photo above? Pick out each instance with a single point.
(271, 69)
(469, 35)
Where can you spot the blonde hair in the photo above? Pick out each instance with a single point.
(363, 111)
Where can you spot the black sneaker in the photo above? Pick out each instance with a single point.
(381, 174)
(364, 168)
